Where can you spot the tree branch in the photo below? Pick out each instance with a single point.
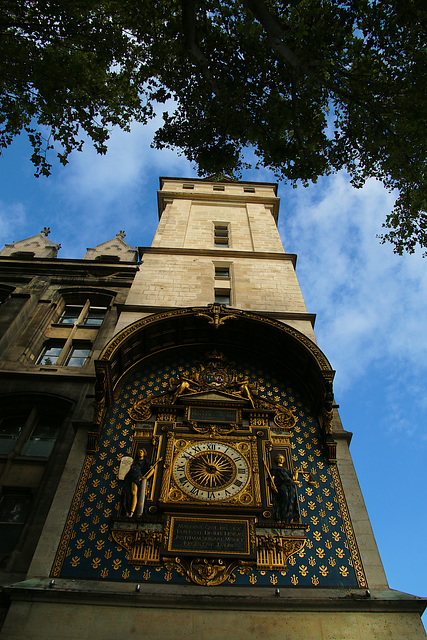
(190, 44)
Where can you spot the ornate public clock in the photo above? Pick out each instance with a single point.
(211, 471)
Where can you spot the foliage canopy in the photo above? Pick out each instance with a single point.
(313, 86)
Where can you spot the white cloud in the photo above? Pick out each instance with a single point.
(128, 164)
(98, 195)
(370, 303)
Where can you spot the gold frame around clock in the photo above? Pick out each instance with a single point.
(249, 495)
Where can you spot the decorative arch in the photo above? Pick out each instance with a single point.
(219, 327)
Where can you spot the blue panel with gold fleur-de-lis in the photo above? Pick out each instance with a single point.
(87, 551)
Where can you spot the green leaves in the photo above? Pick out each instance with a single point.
(313, 86)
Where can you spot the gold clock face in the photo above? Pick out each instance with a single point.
(211, 471)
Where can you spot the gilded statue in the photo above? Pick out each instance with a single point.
(135, 484)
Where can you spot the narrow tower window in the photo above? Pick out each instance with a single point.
(222, 273)
(222, 297)
(221, 235)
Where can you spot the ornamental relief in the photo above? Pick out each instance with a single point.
(214, 374)
(218, 438)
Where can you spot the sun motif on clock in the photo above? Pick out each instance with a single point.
(211, 471)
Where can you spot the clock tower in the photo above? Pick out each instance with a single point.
(249, 522)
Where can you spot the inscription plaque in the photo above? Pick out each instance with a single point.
(211, 413)
(206, 536)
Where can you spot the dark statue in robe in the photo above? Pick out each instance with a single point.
(285, 498)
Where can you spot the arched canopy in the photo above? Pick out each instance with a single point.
(219, 327)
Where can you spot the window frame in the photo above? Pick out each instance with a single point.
(78, 346)
(81, 315)
(66, 353)
(12, 435)
(9, 542)
(221, 234)
(222, 273)
(48, 345)
(76, 315)
(223, 293)
(29, 448)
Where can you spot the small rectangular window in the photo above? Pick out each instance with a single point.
(218, 187)
(78, 356)
(222, 297)
(249, 189)
(42, 439)
(10, 430)
(14, 510)
(222, 272)
(221, 235)
(187, 185)
(95, 316)
(71, 314)
(50, 354)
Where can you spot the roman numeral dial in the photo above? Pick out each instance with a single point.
(211, 471)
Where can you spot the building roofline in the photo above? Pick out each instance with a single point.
(224, 180)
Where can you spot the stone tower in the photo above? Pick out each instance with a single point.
(250, 522)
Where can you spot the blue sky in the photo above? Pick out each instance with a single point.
(371, 305)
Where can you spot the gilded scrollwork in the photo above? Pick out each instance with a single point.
(141, 409)
(212, 429)
(273, 552)
(217, 315)
(284, 418)
(125, 539)
(142, 546)
(207, 572)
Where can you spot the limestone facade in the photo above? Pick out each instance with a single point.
(180, 267)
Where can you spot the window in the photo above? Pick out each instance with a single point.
(64, 354)
(10, 430)
(221, 235)
(249, 189)
(222, 297)
(42, 438)
(71, 314)
(30, 424)
(104, 257)
(5, 292)
(87, 316)
(78, 356)
(23, 254)
(218, 187)
(222, 272)
(95, 316)
(187, 185)
(14, 511)
(50, 353)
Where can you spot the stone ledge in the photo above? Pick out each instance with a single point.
(224, 598)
